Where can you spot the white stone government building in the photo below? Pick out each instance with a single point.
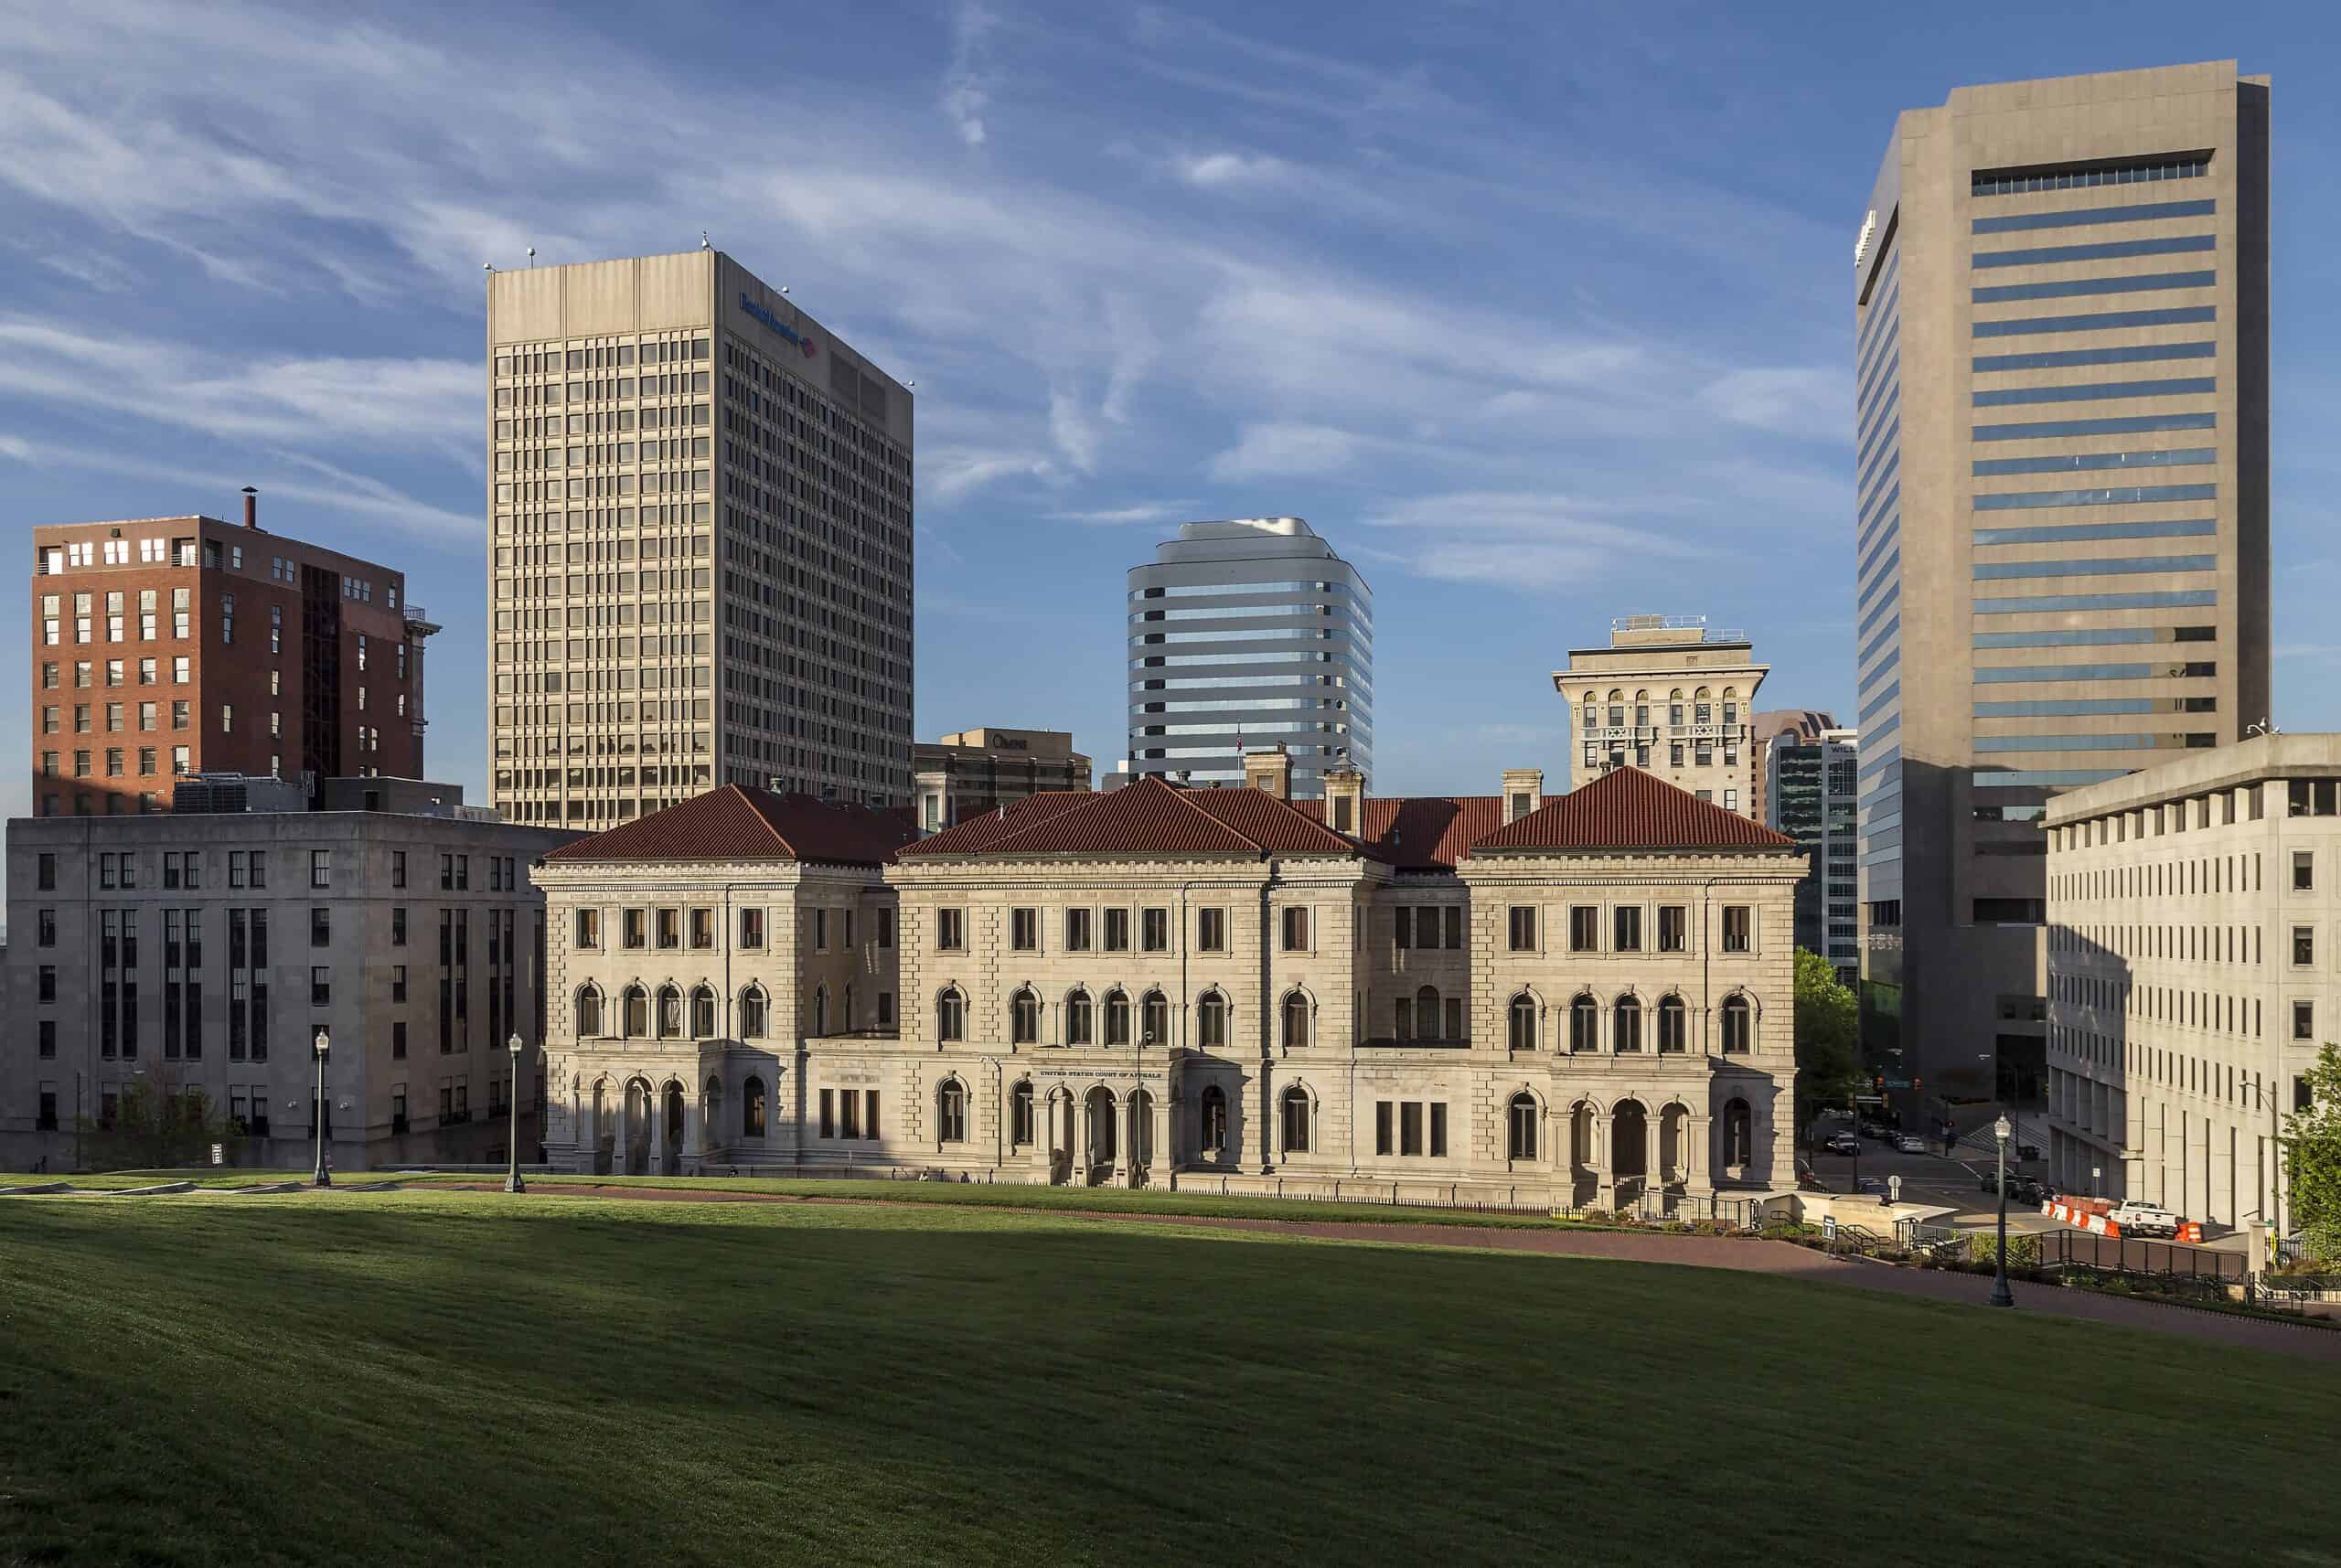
(1583, 1000)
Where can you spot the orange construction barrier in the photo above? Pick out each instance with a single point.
(2189, 1230)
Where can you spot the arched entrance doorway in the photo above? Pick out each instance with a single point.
(1061, 1153)
(1141, 1135)
(603, 1131)
(1100, 1152)
(1629, 1150)
(638, 1128)
(673, 1164)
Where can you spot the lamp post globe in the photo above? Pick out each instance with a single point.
(323, 1046)
(512, 1182)
(2001, 1295)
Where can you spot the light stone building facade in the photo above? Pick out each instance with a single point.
(1584, 1001)
(205, 952)
(1672, 696)
(2194, 910)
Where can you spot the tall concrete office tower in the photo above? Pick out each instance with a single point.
(2060, 293)
(699, 552)
(1247, 636)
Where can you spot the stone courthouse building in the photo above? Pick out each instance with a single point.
(1586, 999)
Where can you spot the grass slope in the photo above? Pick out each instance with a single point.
(426, 1378)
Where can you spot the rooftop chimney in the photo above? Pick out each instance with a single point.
(252, 508)
(1345, 797)
(1269, 772)
(1523, 792)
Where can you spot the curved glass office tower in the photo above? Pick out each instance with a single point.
(1246, 635)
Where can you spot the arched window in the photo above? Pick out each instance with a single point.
(1520, 1122)
(1211, 1020)
(951, 1015)
(1296, 1020)
(1019, 1112)
(1212, 1128)
(1427, 1014)
(1076, 1020)
(1294, 1107)
(1585, 1023)
(751, 1013)
(1024, 1017)
(1738, 1132)
(636, 1010)
(1673, 1028)
(820, 1010)
(1738, 1026)
(1523, 1022)
(1627, 1033)
(1154, 1017)
(703, 1012)
(1117, 1018)
(670, 1012)
(951, 1112)
(752, 1108)
(589, 1011)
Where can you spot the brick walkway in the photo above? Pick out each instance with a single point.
(1783, 1258)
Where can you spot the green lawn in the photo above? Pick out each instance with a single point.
(430, 1378)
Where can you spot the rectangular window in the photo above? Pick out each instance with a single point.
(1454, 923)
(1117, 930)
(1383, 1111)
(670, 928)
(1211, 930)
(829, 1113)
(321, 927)
(1296, 930)
(1584, 928)
(1439, 1129)
(1523, 928)
(1025, 930)
(849, 1114)
(2303, 944)
(1402, 926)
(2304, 1020)
(869, 1112)
(1410, 1127)
(752, 928)
(587, 926)
(951, 929)
(702, 929)
(1628, 928)
(1077, 931)
(630, 926)
(886, 927)
(2304, 870)
(1154, 930)
(1738, 928)
(320, 869)
(320, 986)
(1674, 928)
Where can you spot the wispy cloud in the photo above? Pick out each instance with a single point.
(1287, 451)
(966, 87)
(1807, 402)
(1211, 171)
(1122, 517)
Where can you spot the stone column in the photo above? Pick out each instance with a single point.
(1077, 1116)
(1699, 1148)
(1605, 1185)
(1160, 1169)
(1124, 1155)
(658, 1113)
(1653, 1144)
(694, 1135)
(1045, 1133)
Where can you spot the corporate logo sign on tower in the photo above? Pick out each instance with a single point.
(773, 322)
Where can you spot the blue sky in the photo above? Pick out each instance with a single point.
(1538, 312)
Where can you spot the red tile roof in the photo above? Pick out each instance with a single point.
(736, 824)
(1149, 817)
(1630, 809)
(969, 835)
(1422, 833)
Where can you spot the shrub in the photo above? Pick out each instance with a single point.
(2024, 1251)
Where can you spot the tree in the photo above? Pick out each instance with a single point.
(2312, 1155)
(1828, 1032)
(156, 1126)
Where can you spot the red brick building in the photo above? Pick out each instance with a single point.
(165, 646)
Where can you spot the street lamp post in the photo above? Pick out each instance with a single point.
(323, 1045)
(2001, 1295)
(512, 1182)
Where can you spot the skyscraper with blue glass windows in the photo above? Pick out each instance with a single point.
(1249, 636)
(2061, 532)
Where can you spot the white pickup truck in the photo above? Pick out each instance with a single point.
(2141, 1218)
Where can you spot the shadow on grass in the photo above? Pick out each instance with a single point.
(444, 1377)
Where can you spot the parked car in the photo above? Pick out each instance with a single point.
(1876, 1130)
(1844, 1143)
(1910, 1142)
(2021, 1188)
(2137, 1217)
